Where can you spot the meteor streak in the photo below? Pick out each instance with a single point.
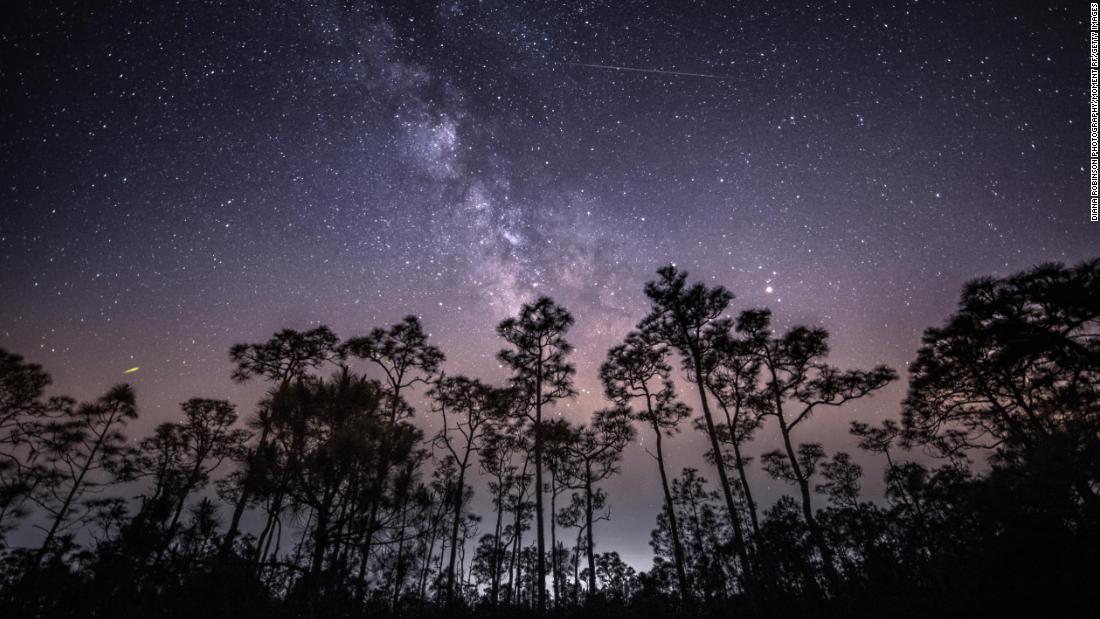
(644, 70)
(132, 370)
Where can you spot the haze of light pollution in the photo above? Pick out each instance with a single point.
(181, 177)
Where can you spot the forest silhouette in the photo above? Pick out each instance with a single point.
(327, 501)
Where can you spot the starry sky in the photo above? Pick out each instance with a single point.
(180, 176)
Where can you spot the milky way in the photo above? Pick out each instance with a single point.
(178, 178)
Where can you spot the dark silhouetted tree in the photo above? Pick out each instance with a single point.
(406, 358)
(378, 520)
(289, 355)
(798, 383)
(540, 375)
(81, 451)
(558, 437)
(23, 411)
(207, 439)
(689, 318)
(497, 449)
(467, 407)
(596, 452)
(707, 536)
(1017, 369)
(842, 477)
(735, 383)
(618, 580)
(638, 370)
(332, 425)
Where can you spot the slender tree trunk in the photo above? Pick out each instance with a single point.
(463, 574)
(399, 566)
(270, 552)
(494, 587)
(302, 538)
(344, 544)
(170, 532)
(515, 568)
(577, 567)
(588, 523)
(458, 495)
(554, 537)
(750, 504)
(827, 559)
(269, 523)
(735, 520)
(246, 490)
(677, 547)
(700, 548)
(320, 544)
(67, 504)
(540, 560)
(263, 543)
(427, 564)
(439, 567)
(739, 464)
(379, 488)
(364, 561)
(63, 510)
(367, 545)
(375, 498)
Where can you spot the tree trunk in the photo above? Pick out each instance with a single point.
(515, 568)
(459, 491)
(828, 566)
(540, 585)
(320, 543)
(588, 522)
(170, 532)
(750, 504)
(427, 565)
(259, 554)
(554, 537)
(364, 555)
(399, 567)
(735, 520)
(375, 498)
(494, 588)
(739, 463)
(677, 547)
(246, 489)
(63, 511)
(577, 567)
(71, 496)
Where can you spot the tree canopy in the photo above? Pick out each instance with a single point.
(332, 497)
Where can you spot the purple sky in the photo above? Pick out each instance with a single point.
(180, 178)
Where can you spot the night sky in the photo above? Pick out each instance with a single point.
(177, 177)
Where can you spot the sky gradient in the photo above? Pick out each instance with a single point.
(178, 177)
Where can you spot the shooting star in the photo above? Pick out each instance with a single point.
(132, 370)
(608, 67)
